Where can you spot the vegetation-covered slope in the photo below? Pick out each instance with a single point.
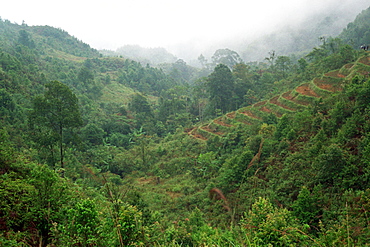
(98, 151)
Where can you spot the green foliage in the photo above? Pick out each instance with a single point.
(15, 196)
(53, 114)
(6, 151)
(140, 104)
(59, 39)
(220, 86)
(25, 39)
(283, 66)
(330, 165)
(130, 225)
(357, 32)
(93, 134)
(332, 54)
(307, 206)
(144, 79)
(207, 166)
(233, 171)
(139, 174)
(267, 225)
(81, 226)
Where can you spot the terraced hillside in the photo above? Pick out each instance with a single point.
(288, 102)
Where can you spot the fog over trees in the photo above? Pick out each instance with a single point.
(297, 33)
(99, 149)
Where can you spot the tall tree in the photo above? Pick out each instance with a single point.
(53, 113)
(227, 57)
(283, 64)
(220, 85)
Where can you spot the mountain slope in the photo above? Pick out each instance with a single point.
(288, 102)
(43, 36)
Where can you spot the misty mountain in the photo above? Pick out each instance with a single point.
(357, 32)
(296, 37)
(105, 151)
(151, 56)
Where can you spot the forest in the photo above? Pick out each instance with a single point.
(101, 150)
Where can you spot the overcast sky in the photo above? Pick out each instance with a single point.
(110, 24)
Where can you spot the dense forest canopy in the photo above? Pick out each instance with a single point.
(102, 150)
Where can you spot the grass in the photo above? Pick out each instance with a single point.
(117, 93)
(63, 55)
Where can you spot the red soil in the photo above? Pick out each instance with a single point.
(335, 74)
(193, 133)
(259, 104)
(326, 86)
(348, 66)
(306, 90)
(231, 115)
(365, 60)
(250, 114)
(206, 128)
(288, 96)
(265, 109)
(219, 122)
(276, 102)
(244, 121)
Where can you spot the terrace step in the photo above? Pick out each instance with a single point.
(275, 101)
(194, 133)
(250, 114)
(288, 96)
(305, 89)
(268, 110)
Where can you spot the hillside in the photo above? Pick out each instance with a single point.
(152, 56)
(290, 102)
(49, 38)
(301, 37)
(103, 151)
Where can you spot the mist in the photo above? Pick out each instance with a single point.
(307, 21)
(187, 28)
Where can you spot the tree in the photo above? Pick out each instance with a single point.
(93, 134)
(203, 61)
(271, 59)
(283, 64)
(227, 57)
(220, 87)
(25, 39)
(140, 104)
(53, 113)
